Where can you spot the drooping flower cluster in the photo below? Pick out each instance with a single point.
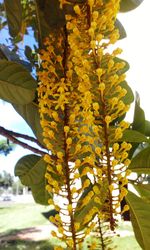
(81, 107)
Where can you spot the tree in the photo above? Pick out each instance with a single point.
(6, 180)
(77, 114)
(6, 147)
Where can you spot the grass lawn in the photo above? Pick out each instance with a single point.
(21, 216)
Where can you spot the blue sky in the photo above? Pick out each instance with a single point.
(136, 49)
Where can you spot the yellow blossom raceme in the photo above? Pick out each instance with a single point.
(82, 94)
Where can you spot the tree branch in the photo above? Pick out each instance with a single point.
(11, 136)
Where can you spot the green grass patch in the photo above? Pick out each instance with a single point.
(26, 245)
(19, 216)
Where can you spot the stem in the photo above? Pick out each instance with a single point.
(11, 136)
(67, 169)
(88, 16)
(108, 156)
(69, 195)
(26, 137)
(112, 221)
(101, 235)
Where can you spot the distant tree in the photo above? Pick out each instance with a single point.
(6, 147)
(6, 180)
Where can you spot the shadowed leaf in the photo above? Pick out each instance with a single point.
(16, 84)
(14, 16)
(140, 217)
(31, 170)
(141, 162)
(30, 114)
(127, 5)
(121, 29)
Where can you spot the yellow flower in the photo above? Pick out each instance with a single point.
(77, 226)
(58, 248)
(69, 208)
(53, 233)
(111, 188)
(95, 106)
(77, 9)
(86, 183)
(125, 208)
(102, 87)
(108, 120)
(69, 141)
(97, 200)
(60, 155)
(98, 150)
(96, 190)
(115, 147)
(77, 163)
(59, 168)
(95, 15)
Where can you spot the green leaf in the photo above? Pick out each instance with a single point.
(121, 29)
(30, 114)
(125, 68)
(10, 55)
(133, 136)
(141, 162)
(16, 84)
(140, 217)
(139, 116)
(54, 16)
(129, 97)
(81, 211)
(147, 128)
(14, 16)
(30, 169)
(40, 194)
(127, 5)
(144, 191)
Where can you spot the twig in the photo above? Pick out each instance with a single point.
(11, 136)
(26, 137)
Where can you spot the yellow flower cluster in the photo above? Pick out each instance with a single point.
(80, 101)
